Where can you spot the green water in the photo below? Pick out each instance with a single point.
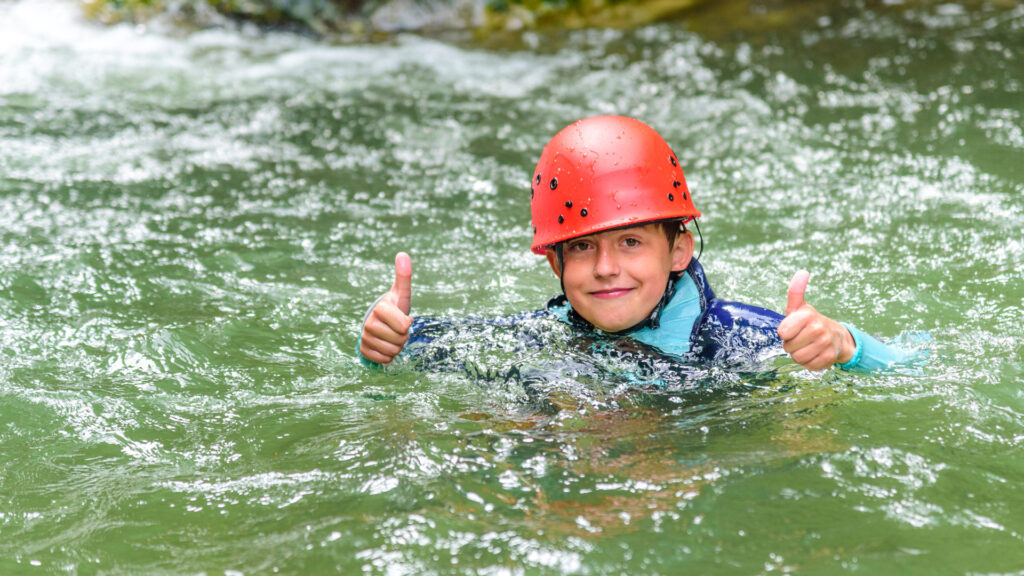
(192, 226)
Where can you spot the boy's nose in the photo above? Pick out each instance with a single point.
(606, 263)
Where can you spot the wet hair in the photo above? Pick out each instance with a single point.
(671, 228)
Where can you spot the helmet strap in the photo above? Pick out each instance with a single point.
(561, 265)
(697, 225)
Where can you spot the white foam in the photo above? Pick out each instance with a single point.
(131, 83)
(47, 45)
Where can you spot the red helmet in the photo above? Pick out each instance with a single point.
(601, 173)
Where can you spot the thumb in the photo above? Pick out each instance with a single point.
(797, 287)
(402, 288)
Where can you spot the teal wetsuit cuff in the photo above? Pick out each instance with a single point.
(858, 351)
(873, 355)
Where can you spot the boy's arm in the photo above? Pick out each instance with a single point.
(386, 326)
(816, 341)
(871, 355)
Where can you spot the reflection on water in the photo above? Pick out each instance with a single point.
(193, 224)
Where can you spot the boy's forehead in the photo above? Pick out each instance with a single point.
(645, 227)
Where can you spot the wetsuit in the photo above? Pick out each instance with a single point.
(694, 322)
(691, 323)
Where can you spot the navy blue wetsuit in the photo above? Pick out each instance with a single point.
(693, 324)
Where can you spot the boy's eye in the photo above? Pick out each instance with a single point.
(631, 242)
(579, 246)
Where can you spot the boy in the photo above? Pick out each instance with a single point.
(609, 206)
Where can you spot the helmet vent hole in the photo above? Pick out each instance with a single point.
(672, 159)
(671, 198)
(677, 184)
(538, 179)
(561, 218)
(583, 212)
(568, 203)
(554, 183)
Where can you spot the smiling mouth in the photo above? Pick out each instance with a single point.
(611, 293)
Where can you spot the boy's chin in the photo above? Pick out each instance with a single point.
(611, 327)
(611, 318)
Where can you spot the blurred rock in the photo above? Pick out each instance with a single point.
(345, 19)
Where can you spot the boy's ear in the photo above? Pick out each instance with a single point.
(552, 260)
(682, 252)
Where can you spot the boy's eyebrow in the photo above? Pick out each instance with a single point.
(622, 230)
(579, 238)
(645, 227)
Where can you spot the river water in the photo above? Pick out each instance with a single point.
(192, 226)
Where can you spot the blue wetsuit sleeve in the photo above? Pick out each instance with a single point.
(733, 329)
(424, 330)
(872, 355)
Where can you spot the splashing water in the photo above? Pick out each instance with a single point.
(192, 226)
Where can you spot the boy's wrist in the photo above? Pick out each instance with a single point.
(848, 362)
(848, 347)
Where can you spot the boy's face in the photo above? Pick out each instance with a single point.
(614, 279)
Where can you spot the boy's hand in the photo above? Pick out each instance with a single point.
(812, 339)
(386, 329)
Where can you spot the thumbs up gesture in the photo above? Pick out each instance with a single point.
(386, 329)
(812, 339)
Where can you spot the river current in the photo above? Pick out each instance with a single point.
(193, 224)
